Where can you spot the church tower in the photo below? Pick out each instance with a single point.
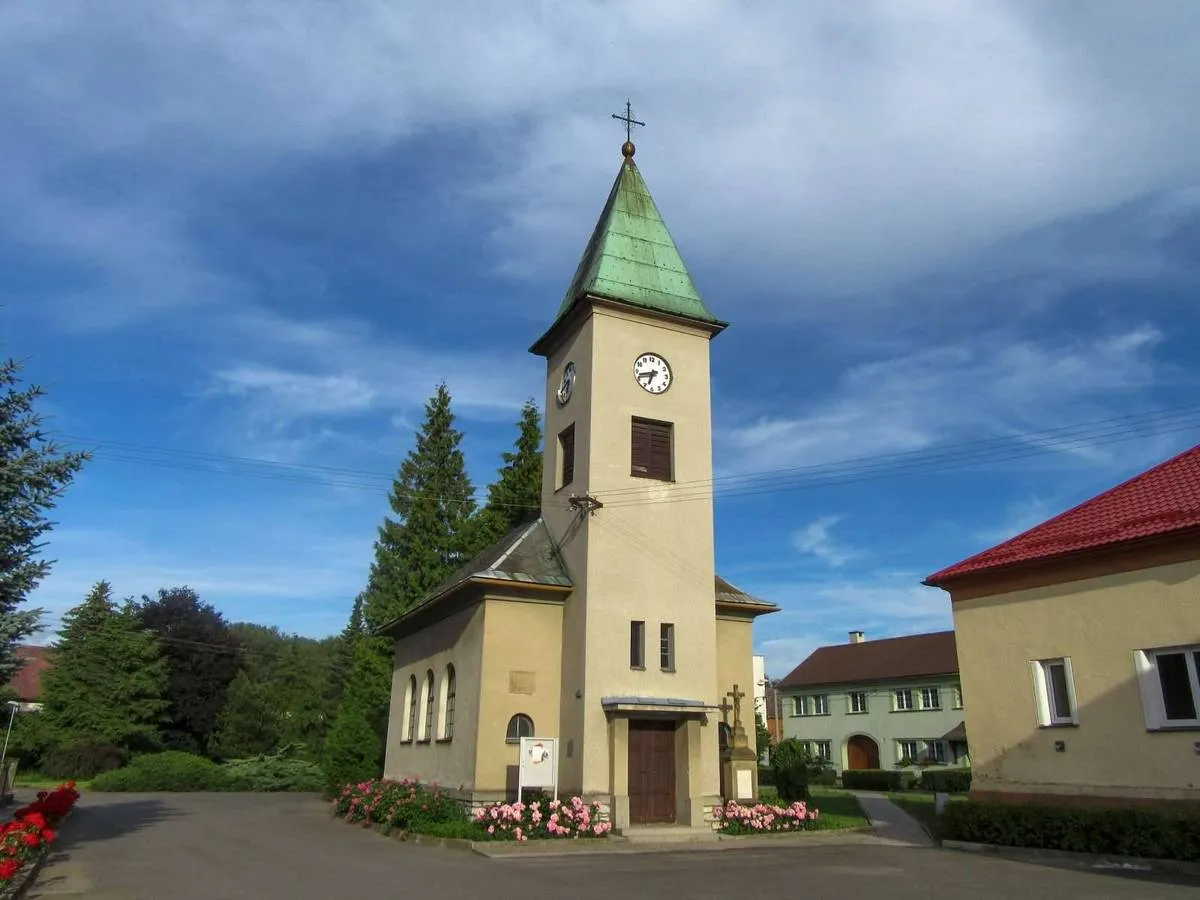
(627, 499)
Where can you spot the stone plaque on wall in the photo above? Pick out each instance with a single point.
(521, 682)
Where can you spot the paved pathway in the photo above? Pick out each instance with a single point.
(265, 846)
(893, 826)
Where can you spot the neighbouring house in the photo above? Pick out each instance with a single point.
(601, 624)
(773, 701)
(879, 704)
(26, 682)
(1080, 644)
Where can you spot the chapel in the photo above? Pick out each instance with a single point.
(602, 624)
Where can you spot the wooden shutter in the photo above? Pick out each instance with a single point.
(650, 449)
(566, 446)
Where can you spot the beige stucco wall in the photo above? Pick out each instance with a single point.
(458, 640)
(644, 560)
(1098, 622)
(521, 674)
(735, 665)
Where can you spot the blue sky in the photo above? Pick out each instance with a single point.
(268, 231)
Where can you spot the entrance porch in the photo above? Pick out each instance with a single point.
(663, 762)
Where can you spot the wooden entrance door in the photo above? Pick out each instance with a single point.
(651, 772)
(862, 753)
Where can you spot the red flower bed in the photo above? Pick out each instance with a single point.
(29, 833)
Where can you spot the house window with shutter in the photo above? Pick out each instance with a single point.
(651, 450)
(566, 454)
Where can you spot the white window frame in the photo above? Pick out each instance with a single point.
(815, 749)
(798, 705)
(1048, 717)
(912, 701)
(937, 695)
(811, 705)
(958, 696)
(820, 705)
(938, 750)
(850, 704)
(1153, 705)
(900, 748)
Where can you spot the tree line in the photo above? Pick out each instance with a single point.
(169, 672)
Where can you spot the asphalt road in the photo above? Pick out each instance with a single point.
(235, 846)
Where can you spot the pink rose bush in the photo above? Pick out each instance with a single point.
(404, 804)
(542, 819)
(733, 818)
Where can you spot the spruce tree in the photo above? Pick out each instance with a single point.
(108, 682)
(33, 475)
(415, 552)
(249, 723)
(514, 498)
(343, 653)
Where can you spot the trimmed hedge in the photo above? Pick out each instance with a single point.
(950, 781)
(173, 770)
(1146, 833)
(81, 761)
(878, 779)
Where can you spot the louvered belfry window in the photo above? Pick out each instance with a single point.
(651, 449)
(566, 448)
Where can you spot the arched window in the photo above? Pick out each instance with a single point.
(447, 705)
(519, 726)
(410, 727)
(427, 722)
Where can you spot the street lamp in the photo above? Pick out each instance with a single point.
(12, 705)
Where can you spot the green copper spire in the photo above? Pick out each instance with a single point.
(631, 257)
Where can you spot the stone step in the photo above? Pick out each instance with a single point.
(668, 834)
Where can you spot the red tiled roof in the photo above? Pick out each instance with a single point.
(27, 680)
(913, 656)
(1159, 501)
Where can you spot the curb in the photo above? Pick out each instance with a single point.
(1097, 861)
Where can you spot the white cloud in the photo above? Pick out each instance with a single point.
(987, 388)
(826, 143)
(815, 539)
(1019, 516)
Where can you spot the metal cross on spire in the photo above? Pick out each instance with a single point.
(630, 121)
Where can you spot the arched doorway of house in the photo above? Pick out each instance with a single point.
(862, 753)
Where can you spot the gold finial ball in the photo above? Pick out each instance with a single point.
(627, 149)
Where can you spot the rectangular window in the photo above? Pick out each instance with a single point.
(812, 705)
(903, 700)
(958, 696)
(908, 750)
(1055, 691)
(650, 449)
(937, 750)
(858, 701)
(798, 706)
(637, 645)
(566, 453)
(666, 647)
(931, 698)
(822, 750)
(1170, 683)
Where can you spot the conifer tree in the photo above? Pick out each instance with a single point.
(514, 498)
(33, 475)
(415, 552)
(248, 724)
(108, 682)
(343, 653)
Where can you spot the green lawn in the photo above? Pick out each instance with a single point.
(34, 781)
(919, 805)
(838, 809)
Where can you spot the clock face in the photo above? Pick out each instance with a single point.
(567, 384)
(652, 373)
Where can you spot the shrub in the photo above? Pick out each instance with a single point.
(556, 819)
(950, 781)
(172, 770)
(733, 818)
(405, 805)
(878, 779)
(275, 773)
(790, 765)
(81, 761)
(823, 776)
(1147, 833)
(766, 777)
